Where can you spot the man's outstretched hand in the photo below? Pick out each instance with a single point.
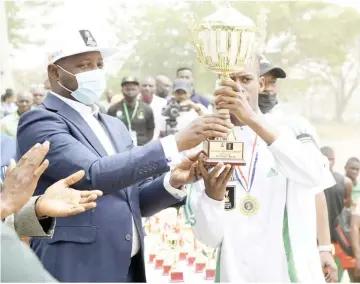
(60, 200)
(21, 179)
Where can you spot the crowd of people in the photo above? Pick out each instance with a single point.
(132, 155)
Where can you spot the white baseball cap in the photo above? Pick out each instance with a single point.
(75, 41)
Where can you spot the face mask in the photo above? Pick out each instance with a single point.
(267, 102)
(91, 85)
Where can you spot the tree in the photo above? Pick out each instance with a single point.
(19, 24)
(318, 39)
(298, 34)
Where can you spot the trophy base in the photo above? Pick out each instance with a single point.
(224, 151)
(191, 260)
(176, 276)
(151, 257)
(199, 267)
(209, 274)
(183, 255)
(166, 269)
(159, 263)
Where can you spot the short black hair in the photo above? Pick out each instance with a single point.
(352, 160)
(182, 69)
(326, 150)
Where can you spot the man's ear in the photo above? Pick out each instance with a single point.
(53, 72)
(261, 84)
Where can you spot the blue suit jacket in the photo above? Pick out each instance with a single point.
(95, 246)
(8, 151)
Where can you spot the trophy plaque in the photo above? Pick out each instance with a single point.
(224, 43)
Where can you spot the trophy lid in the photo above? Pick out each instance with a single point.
(227, 17)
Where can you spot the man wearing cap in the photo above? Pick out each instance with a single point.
(268, 97)
(134, 113)
(305, 132)
(105, 244)
(187, 74)
(188, 109)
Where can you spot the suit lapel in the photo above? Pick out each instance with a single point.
(116, 137)
(71, 115)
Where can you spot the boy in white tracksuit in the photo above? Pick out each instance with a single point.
(264, 226)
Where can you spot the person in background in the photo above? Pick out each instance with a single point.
(186, 73)
(305, 133)
(163, 86)
(106, 104)
(8, 105)
(7, 152)
(134, 113)
(181, 95)
(9, 123)
(355, 239)
(147, 91)
(47, 86)
(352, 169)
(38, 93)
(337, 197)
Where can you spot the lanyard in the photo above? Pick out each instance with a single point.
(253, 166)
(133, 114)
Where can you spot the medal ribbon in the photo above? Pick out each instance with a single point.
(253, 166)
(133, 114)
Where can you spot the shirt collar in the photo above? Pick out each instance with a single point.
(79, 107)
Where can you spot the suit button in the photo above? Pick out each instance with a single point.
(128, 237)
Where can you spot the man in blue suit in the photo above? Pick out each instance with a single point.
(105, 244)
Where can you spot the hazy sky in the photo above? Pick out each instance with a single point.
(92, 15)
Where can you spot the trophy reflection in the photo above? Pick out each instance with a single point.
(224, 42)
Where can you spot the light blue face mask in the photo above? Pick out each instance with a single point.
(91, 85)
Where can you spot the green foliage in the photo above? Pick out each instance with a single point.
(298, 33)
(18, 23)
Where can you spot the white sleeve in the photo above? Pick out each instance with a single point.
(206, 214)
(171, 150)
(301, 162)
(177, 193)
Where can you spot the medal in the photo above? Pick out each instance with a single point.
(249, 206)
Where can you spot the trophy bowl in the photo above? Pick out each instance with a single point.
(224, 43)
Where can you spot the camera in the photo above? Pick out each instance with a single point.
(172, 111)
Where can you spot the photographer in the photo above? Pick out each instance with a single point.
(180, 110)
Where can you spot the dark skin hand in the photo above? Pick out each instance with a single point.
(202, 128)
(185, 172)
(215, 184)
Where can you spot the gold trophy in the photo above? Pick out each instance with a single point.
(224, 42)
(176, 275)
